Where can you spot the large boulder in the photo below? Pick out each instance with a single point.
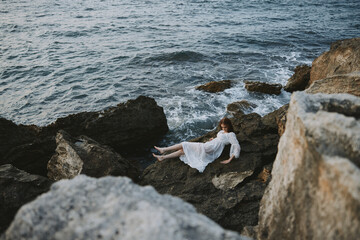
(215, 86)
(83, 155)
(299, 80)
(262, 87)
(16, 189)
(25, 147)
(314, 192)
(229, 194)
(111, 208)
(128, 127)
(343, 58)
(347, 83)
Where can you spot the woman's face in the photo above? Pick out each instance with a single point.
(224, 127)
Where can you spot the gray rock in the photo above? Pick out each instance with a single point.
(314, 192)
(230, 180)
(111, 208)
(83, 155)
(17, 188)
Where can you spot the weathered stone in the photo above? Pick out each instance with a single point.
(215, 86)
(16, 189)
(230, 180)
(83, 155)
(239, 107)
(299, 80)
(343, 58)
(263, 87)
(111, 208)
(349, 83)
(236, 205)
(127, 127)
(314, 192)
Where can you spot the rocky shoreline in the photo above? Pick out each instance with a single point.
(297, 177)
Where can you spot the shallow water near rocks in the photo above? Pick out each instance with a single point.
(63, 57)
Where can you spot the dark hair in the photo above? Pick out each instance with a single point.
(227, 123)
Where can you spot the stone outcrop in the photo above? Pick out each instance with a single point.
(299, 80)
(83, 155)
(314, 192)
(215, 86)
(347, 83)
(127, 128)
(17, 188)
(229, 194)
(111, 208)
(343, 58)
(240, 107)
(262, 87)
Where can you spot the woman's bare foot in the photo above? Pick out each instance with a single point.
(159, 158)
(161, 150)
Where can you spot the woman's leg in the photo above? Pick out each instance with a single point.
(171, 155)
(171, 148)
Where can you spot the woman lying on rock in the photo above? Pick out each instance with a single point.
(199, 155)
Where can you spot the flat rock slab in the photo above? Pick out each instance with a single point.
(111, 208)
(262, 87)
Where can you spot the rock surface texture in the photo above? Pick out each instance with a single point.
(83, 155)
(262, 87)
(348, 83)
(17, 188)
(343, 58)
(128, 127)
(215, 86)
(299, 80)
(229, 194)
(111, 208)
(315, 188)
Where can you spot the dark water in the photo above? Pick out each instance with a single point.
(62, 57)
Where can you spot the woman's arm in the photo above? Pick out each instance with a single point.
(229, 160)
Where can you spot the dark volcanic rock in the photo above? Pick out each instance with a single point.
(299, 80)
(229, 194)
(25, 147)
(83, 155)
(215, 86)
(127, 127)
(263, 87)
(239, 107)
(17, 188)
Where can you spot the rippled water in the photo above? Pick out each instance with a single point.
(62, 57)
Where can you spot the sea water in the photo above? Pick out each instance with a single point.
(64, 57)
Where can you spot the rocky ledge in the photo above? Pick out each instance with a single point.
(111, 208)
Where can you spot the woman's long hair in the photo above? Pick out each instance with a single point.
(227, 123)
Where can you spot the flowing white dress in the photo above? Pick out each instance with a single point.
(199, 155)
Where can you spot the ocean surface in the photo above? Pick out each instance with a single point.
(64, 57)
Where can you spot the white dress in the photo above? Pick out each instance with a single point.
(199, 155)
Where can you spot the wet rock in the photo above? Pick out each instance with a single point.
(128, 127)
(348, 83)
(235, 204)
(262, 87)
(314, 192)
(343, 58)
(215, 86)
(83, 155)
(111, 208)
(299, 80)
(239, 107)
(16, 189)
